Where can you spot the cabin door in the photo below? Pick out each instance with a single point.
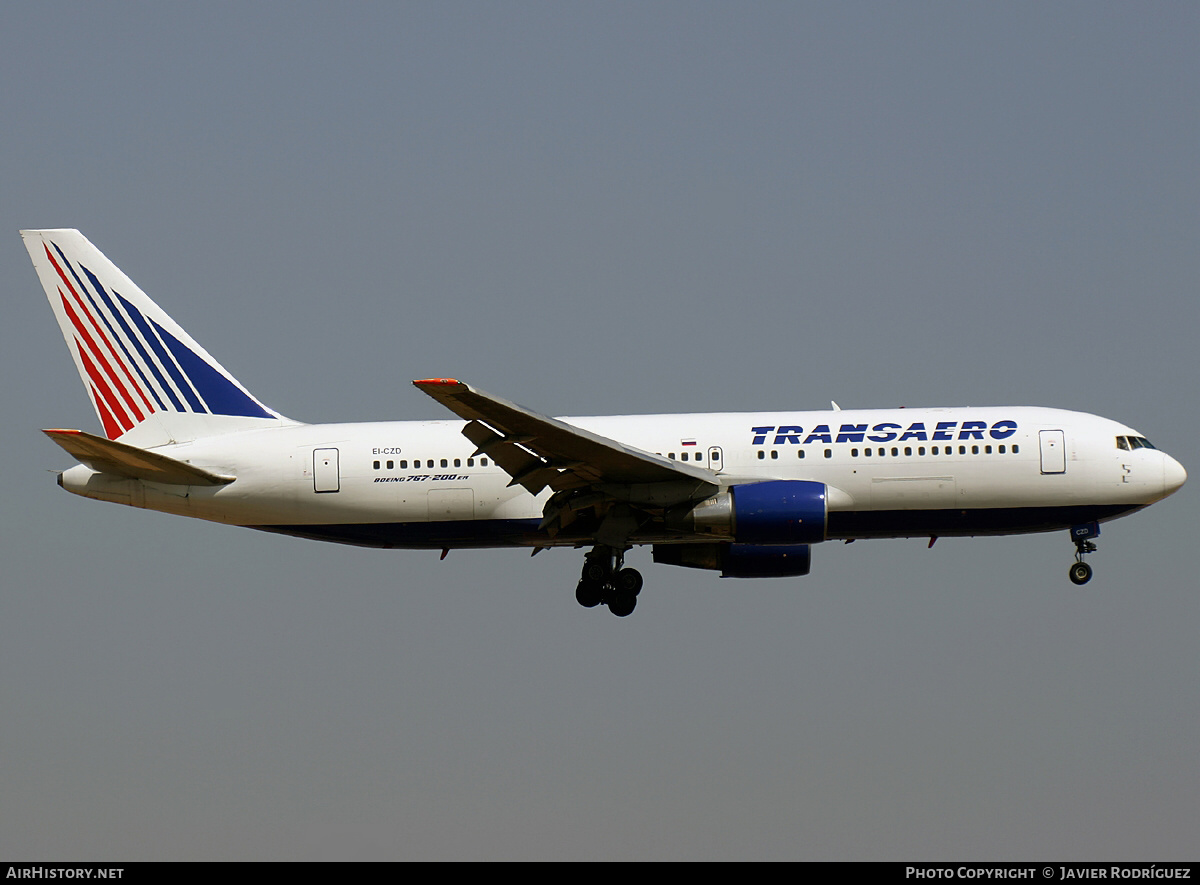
(325, 470)
(1054, 451)
(715, 464)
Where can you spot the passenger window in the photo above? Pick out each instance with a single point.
(800, 454)
(1016, 449)
(483, 462)
(774, 455)
(974, 450)
(470, 462)
(376, 465)
(921, 450)
(403, 465)
(829, 453)
(429, 463)
(908, 450)
(390, 465)
(962, 450)
(761, 455)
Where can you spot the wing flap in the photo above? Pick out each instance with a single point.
(109, 456)
(539, 451)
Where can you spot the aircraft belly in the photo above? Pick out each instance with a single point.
(845, 525)
(473, 533)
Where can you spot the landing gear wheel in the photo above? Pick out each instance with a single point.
(622, 605)
(595, 571)
(606, 581)
(588, 594)
(1081, 573)
(629, 582)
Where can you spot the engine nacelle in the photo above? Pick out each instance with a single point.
(771, 512)
(739, 560)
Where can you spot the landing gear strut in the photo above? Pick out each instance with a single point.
(605, 580)
(1081, 572)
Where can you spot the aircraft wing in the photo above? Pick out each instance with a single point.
(538, 451)
(109, 456)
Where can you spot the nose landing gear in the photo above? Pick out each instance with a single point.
(604, 580)
(1081, 572)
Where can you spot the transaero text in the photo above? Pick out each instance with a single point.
(885, 431)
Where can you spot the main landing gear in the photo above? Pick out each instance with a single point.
(1081, 572)
(604, 580)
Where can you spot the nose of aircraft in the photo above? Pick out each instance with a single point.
(1174, 476)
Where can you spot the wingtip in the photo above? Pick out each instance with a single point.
(437, 382)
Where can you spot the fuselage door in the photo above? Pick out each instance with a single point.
(715, 462)
(325, 470)
(1054, 451)
(447, 504)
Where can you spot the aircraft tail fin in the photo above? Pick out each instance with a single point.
(149, 381)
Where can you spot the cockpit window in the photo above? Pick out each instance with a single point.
(1128, 443)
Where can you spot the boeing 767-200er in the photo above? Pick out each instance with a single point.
(745, 494)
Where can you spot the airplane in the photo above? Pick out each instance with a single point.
(744, 494)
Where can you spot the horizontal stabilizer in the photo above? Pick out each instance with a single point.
(108, 456)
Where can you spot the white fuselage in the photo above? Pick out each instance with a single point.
(891, 473)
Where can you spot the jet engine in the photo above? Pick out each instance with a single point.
(770, 512)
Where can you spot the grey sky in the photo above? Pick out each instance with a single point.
(590, 209)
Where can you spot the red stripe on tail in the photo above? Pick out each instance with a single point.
(98, 354)
(95, 350)
(106, 396)
(111, 428)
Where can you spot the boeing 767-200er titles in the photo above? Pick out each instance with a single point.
(746, 494)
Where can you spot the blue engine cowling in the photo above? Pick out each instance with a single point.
(739, 560)
(779, 512)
